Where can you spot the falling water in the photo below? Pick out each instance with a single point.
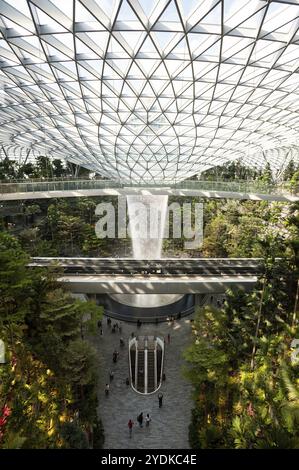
(147, 216)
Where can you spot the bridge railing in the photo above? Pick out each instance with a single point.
(257, 187)
(56, 185)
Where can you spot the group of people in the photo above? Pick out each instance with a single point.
(139, 421)
(140, 418)
(117, 326)
(115, 355)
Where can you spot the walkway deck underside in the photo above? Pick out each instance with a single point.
(103, 284)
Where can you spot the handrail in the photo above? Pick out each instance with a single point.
(93, 184)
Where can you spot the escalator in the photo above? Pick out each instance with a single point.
(151, 371)
(146, 355)
(140, 371)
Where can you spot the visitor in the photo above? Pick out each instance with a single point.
(127, 381)
(160, 398)
(109, 321)
(121, 342)
(140, 419)
(111, 375)
(130, 426)
(138, 323)
(101, 331)
(168, 338)
(107, 388)
(113, 329)
(132, 334)
(115, 356)
(147, 420)
(100, 324)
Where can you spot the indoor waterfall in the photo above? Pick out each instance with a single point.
(147, 216)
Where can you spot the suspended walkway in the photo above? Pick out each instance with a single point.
(146, 356)
(253, 190)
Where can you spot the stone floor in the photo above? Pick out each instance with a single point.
(169, 426)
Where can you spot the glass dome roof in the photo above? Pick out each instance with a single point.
(150, 90)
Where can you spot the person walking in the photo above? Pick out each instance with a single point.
(121, 342)
(130, 426)
(160, 398)
(111, 375)
(147, 420)
(168, 338)
(115, 356)
(107, 388)
(140, 420)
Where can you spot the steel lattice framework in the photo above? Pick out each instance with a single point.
(150, 90)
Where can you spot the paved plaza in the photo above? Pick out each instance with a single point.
(169, 426)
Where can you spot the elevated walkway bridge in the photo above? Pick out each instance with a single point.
(253, 190)
(168, 275)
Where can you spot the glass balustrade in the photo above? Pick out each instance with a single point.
(257, 187)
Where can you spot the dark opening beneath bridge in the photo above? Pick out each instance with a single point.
(114, 309)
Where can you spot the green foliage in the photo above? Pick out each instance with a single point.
(246, 391)
(50, 378)
(246, 229)
(7, 169)
(230, 171)
(74, 436)
(290, 170)
(43, 167)
(98, 435)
